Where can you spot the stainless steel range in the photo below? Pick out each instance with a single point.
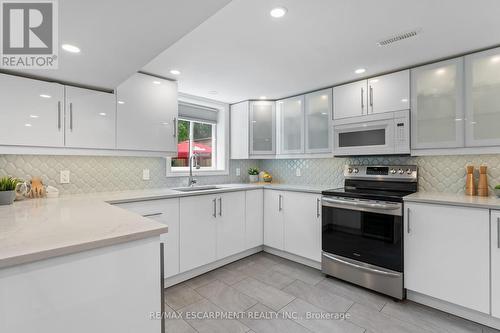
(362, 227)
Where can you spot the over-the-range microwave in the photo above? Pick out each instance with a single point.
(374, 134)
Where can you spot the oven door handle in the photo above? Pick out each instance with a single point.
(368, 269)
(360, 204)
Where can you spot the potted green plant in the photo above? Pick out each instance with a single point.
(497, 190)
(8, 190)
(253, 174)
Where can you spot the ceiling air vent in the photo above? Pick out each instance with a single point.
(399, 37)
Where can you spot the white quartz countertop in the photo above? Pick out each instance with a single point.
(491, 202)
(36, 229)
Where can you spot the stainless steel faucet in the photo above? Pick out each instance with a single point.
(194, 158)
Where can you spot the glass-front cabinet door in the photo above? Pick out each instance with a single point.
(318, 110)
(437, 107)
(291, 129)
(262, 128)
(482, 86)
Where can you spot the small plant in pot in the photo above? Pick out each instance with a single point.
(253, 174)
(497, 190)
(8, 190)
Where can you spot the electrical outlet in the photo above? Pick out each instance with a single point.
(64, 177)
(238, 171)
(145, 174)
(297, 172)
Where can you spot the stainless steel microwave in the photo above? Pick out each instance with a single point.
(374, 134)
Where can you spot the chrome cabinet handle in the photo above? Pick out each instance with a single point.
(318, 201)
(215, 208)
(220, 206)
(498, 232)
(371, 97)
(408, 227)
(152, 214)
(175, 127)
(362, 101)
(71, 116)
(59, 115)
(280, 202)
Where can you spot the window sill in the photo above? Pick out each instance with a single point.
(197, 173)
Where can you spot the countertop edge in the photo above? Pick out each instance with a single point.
(451, 202)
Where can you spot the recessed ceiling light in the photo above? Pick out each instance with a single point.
(404, 100)
(45, 96)
(156, 82)
(70, 48)
(278, 12)
(213, 92)
(440, 71)
(121, 102)
(27, 125)
(102, 114)
(33, 116)
(374, 81)
(360, 71)
(263, 97)
(495, 58)
(175, 72)
(324, 113)
(324, 96)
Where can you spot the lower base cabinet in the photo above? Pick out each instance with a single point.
(292, 223)
(230, 223)
(254, 218)
(495, 263)
(447, 254)
(165, 211)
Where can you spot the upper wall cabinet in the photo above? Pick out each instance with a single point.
(482, 96)
(262, 128)
(147, 114)
(437, 105)
(32, 112)
(349, 100)
(291, 125)
(318, 110)
(239, 130)
(389, 92)
(90, 118)
(379, 94)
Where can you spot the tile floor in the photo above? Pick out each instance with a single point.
(265, 293)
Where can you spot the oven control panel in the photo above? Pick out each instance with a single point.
(386, 172)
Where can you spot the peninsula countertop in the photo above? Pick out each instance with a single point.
(37, 229)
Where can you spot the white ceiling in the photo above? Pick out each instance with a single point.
(243, 53)
(118, 37)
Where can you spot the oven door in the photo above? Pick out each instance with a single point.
(364, 230)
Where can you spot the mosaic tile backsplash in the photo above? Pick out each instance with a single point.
(436, 173)
(101, 174)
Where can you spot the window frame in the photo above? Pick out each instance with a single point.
(220, 140)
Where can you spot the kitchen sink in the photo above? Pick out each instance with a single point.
(196, 188)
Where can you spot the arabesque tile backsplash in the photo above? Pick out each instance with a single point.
(101, 173)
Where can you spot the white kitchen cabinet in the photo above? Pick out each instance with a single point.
(389, 92)
(165, 211)
(437, 112)
(273, 218)
(291, 125)
(254, 218)
(262, 128)
(482, 95)
(239, 130)
(198, 231)
(495, 263)
(230, 224)
(302, 224)
(447, 254)
(32, 112)
(147, 114)
(90, 118)
(350, 100)
(318, 122)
